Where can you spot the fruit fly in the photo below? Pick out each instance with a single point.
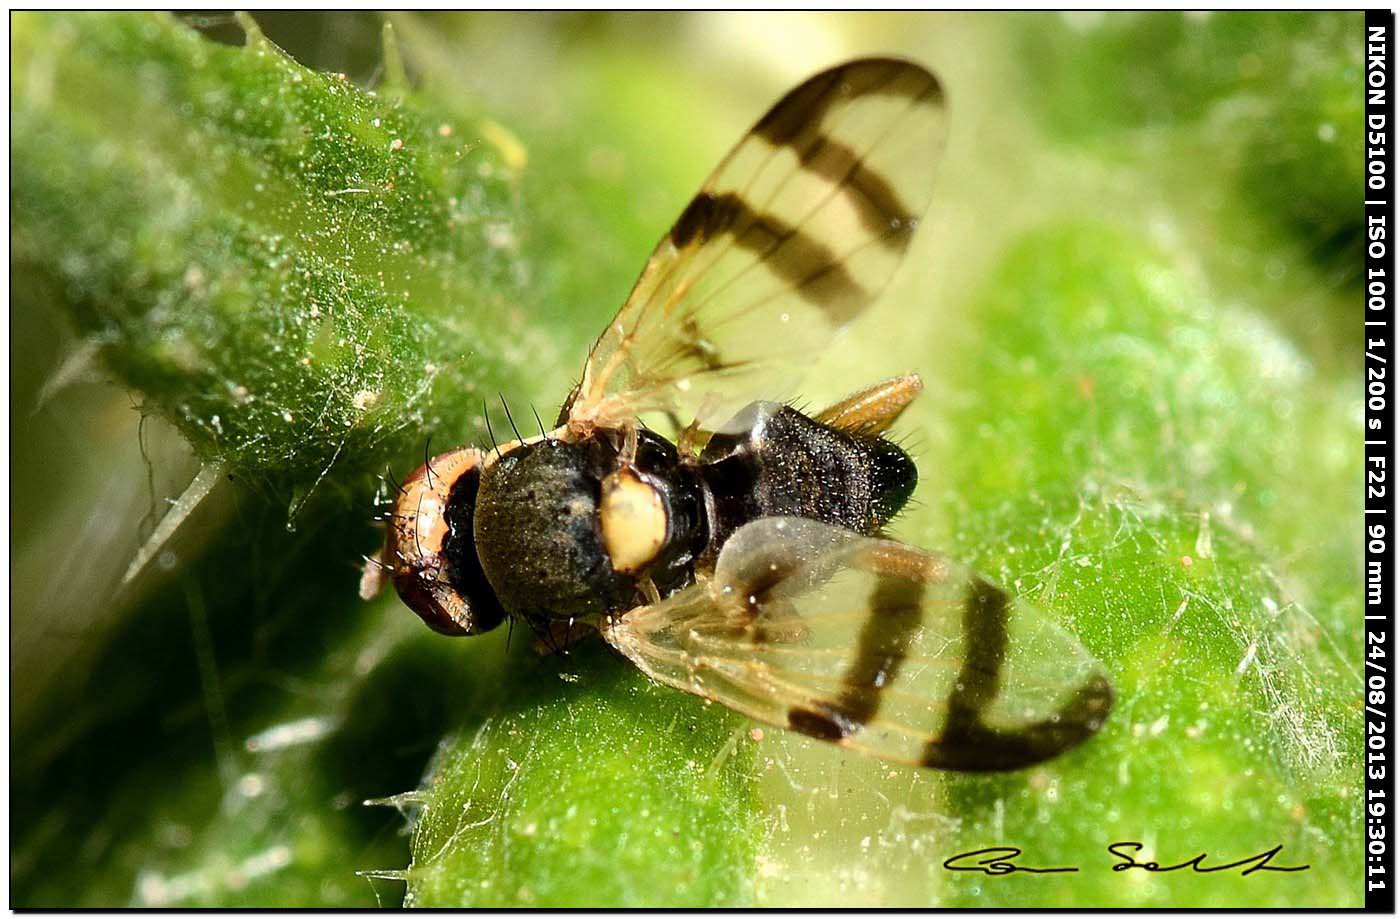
(744, 561)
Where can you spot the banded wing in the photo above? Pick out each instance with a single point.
(796, 232)
(872, 645)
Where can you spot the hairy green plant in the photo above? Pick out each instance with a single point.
(294, 271)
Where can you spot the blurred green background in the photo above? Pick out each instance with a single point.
(1133, 302)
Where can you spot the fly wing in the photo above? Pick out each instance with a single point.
(796, 232)
(872, 645)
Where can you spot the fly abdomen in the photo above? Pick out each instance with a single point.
(774, 461)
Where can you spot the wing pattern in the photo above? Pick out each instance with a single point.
(873, 645)
(797, 231)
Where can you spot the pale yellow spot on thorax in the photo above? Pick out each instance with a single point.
(632, 517)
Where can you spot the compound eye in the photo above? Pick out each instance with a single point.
(632, 517)
(430, 551)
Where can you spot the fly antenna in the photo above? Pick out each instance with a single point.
(486, 413)
(509, 418)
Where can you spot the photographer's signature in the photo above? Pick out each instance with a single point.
(1001, 860)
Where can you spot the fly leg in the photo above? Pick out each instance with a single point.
(556, 636)
(873, 410)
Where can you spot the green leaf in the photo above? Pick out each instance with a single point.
(1269, 97)
(294, 271)
(585, 785)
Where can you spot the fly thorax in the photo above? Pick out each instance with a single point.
(568, 529)
(537, 531)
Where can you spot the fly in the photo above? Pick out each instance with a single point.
(744, 560)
